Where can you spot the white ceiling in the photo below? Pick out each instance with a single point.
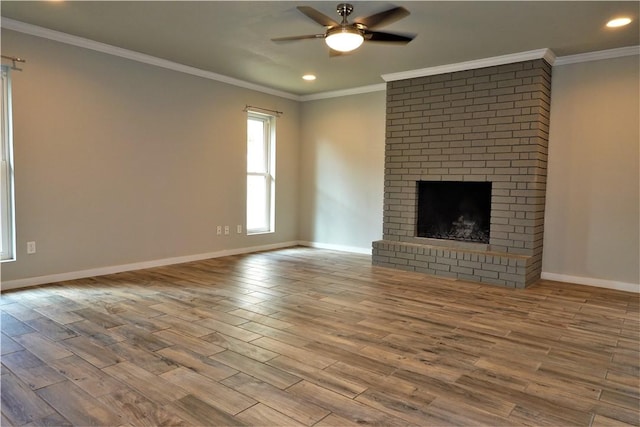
(232, 38)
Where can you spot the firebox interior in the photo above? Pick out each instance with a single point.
(454, 210)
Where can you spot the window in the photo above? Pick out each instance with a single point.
(7, 241)
(260, 173)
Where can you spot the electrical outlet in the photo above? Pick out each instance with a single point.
(31, 248)
(238, 229)
(219, 230)
(226, 230)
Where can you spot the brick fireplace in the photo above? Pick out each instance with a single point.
(483, 125)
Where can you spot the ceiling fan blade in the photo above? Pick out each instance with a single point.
(292, 38)
(319, 17)
(384, 18)
(376, 36)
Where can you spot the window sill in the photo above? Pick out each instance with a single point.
(255, 233)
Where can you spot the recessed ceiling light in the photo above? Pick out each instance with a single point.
(309, 77)
(618, 22)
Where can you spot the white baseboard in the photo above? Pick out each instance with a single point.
(341, 248)
(590, 281)
(101, 271)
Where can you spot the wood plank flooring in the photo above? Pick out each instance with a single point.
(308, 337)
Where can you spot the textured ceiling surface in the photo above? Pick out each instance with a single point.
(232, 38)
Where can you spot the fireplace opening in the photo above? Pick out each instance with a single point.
(454, 210)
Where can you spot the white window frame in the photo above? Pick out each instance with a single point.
(268, 174)
(7, 197)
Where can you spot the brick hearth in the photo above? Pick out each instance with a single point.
(488, 124)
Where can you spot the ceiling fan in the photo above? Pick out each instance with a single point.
(345, 37)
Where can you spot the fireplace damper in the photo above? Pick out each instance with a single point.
(454, 210)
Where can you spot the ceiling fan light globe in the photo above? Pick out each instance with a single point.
(344, 39)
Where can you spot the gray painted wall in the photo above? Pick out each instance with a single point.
(342, 170)
(592, 222)
(119, 162)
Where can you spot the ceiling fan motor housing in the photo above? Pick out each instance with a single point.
(344, 10)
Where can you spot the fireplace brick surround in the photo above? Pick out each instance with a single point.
(485, 125)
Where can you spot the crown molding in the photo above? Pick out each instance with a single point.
(344, 92)
(545, 54)
(598, 55)
(61, 37)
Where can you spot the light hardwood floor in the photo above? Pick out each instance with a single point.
(317, 338)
